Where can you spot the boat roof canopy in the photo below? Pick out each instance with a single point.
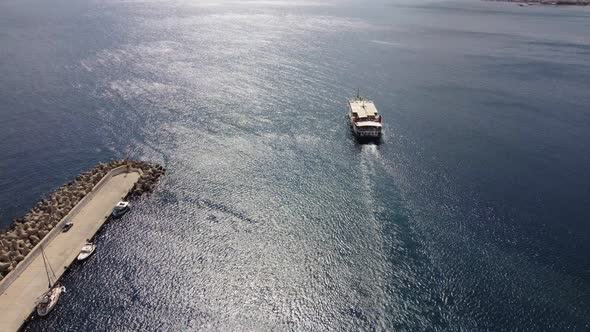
(363, 108)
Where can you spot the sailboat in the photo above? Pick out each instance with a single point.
(48, 300)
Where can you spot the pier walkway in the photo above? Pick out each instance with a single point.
(18, 300)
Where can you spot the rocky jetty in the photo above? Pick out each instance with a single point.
(24, 233)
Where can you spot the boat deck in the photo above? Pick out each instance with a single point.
(363, 108)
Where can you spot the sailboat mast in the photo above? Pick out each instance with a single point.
(45, 265)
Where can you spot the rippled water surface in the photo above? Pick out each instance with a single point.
(471, 215)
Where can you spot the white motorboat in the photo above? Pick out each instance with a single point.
(120, 209)
(87, 250)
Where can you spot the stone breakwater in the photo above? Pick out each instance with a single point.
(24, 233)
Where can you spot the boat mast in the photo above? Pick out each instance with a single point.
(46, 263)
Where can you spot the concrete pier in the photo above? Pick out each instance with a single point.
(22, 289)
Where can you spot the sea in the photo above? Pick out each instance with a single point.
(471, 214)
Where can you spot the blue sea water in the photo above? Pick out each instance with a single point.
(471, 215)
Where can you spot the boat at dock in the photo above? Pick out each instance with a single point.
(364, 118)
(47, 301)
(120, 209)
(86, 251)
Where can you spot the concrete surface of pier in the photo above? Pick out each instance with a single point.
(18, 300)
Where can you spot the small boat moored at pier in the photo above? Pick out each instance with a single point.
(87, 250)
(364, 118)
(47, 301)
(120, 209)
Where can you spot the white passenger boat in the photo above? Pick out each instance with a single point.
(87, 250)
(364, 118)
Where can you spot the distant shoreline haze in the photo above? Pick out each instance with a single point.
(549, 2)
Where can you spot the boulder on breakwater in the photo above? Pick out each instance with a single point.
(24, 233)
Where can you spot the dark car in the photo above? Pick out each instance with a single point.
(67, 227)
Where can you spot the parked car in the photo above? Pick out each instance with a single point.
(67, 227)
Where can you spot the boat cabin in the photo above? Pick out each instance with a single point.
(364, 111)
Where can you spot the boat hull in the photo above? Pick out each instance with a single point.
(116, 214)
(44, 308)
(368, 134)
(374, 133)
(83, 255)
